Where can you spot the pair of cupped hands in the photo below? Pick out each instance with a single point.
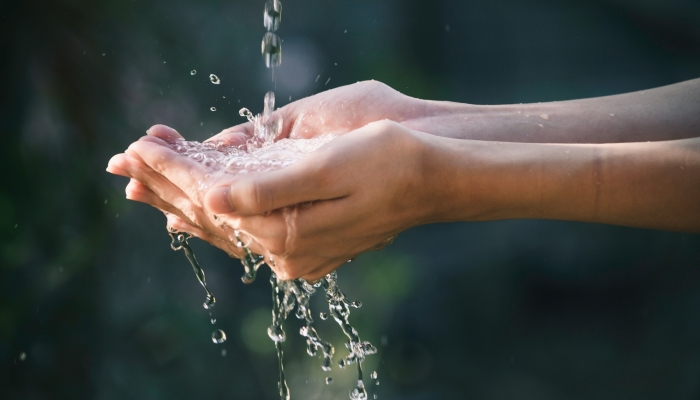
(352, 195)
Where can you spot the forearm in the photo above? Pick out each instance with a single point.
(651, 185)
(666, 113)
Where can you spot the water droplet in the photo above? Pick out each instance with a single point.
(329, 380)
(375, 396)
(271, 49)
(612, 115)
(376, 383)
(213, 321)
(273, 15)
(22, 356)
(213, 108)
(329, 79)
(223, 352)
(218, 336)
(356, 304)
(373, 375)
(210, 302)
(193, 72)
(544, 116)
(323, 316)
(214, 79)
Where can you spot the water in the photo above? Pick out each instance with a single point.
(286, 296)
(193, 72)
(179, 242)
(273, 15)
(271, 49)
(259, 154)
(218, 336)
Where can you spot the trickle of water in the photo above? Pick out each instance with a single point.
(179, 242)
(218, 336)
(210, 300)
(214, 79)
(329, 380)
(358, 392)
(271, 49)
(273, 15)
(193, 72)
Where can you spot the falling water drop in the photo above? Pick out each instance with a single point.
(373, 375)
(209, 302)
(323, 316)
(218, 336)
(329, 380)
(273, 15)
(214, 79)
(213, 108)
(193, 72)
(271, 49)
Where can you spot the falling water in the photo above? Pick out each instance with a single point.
(259, 154)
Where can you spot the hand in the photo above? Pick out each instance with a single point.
(351, 196)
(150, 163)
(337, 111)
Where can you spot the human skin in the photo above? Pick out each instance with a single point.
(384, 177)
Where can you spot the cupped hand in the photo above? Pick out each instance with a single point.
(337, 111)
(169, 182)
(351, 196)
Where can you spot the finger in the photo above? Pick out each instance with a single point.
(117, 165)
(234, 136)
(164, 132)
(162, 187)
(181, 171)
(136, 191)
(304, 181)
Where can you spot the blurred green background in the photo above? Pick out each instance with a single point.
(94, 304)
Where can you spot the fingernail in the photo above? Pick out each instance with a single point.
(218, 200)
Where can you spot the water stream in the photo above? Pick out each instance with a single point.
(259, 154)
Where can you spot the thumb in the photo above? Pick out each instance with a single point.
(258, 193)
